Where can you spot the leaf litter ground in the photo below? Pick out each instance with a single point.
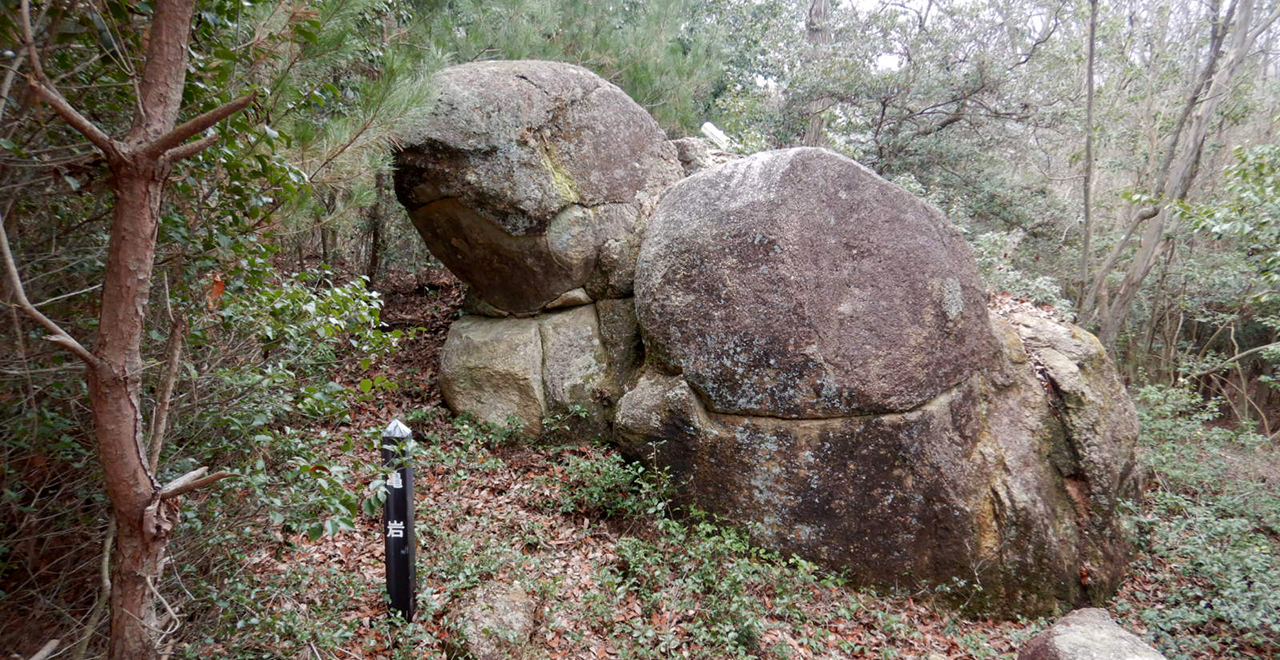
(607, 583)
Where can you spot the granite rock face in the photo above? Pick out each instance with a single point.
(492, 368)
(821, 365)
(798, 284)
(974, 486)
(529, 369)
(529, 180)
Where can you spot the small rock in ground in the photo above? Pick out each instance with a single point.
(497, 622)
(1087, 634)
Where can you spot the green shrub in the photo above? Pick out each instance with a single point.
(603, 484)
(1207, 531)
(994, 252)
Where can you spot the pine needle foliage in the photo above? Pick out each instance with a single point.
(664, 53)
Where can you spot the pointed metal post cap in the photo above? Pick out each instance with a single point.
(397, 431)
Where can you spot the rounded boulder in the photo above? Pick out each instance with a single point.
(799, 284)
(528, 180)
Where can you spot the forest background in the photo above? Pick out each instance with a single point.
(1116, 161)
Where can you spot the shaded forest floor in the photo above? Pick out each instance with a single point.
(613, 572)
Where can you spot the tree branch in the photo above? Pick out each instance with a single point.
(192, 148)
(197, 125)
(1235, 358)
(47, 650)
(160, 420)
(59, 336)
(191, 481)
(43, 88)
(1265, 24)
(951, 119)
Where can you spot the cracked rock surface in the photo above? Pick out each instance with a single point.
(530, 179)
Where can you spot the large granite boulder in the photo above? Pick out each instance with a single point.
(530, 179)
(821, 366)
(798, 284)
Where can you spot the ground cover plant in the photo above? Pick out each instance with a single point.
(1207, 578)
(616, 572)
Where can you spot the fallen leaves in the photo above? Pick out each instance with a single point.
(483, 515)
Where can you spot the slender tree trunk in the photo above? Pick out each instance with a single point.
(1195, 95)
(114, 390)
(324, 244)
(1155, 241)
(1088, 155)
(818, 28)
(144, 511)
(375, 227)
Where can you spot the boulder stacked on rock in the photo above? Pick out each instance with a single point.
(532, 182)
(817, 359)
(799, 284)
(528, 180)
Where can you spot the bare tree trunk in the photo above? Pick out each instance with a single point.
(324, 244)
(1178, 181)
(818, 28)
(114, 390)
(1088, 153)
(375, 227)
(1194, 97)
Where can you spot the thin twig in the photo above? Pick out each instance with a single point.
(177, 623)
(160, 419)
(46, 650)
(10, 74)
(67, 295)
(104, 594)
(191, 481)
(1235, 358)
(43, 88)
(59, 336)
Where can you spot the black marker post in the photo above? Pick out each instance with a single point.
(397, 521)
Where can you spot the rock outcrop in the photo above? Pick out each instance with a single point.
(799, 284)
(808, 351)
(1087, 634)
(529, 369)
